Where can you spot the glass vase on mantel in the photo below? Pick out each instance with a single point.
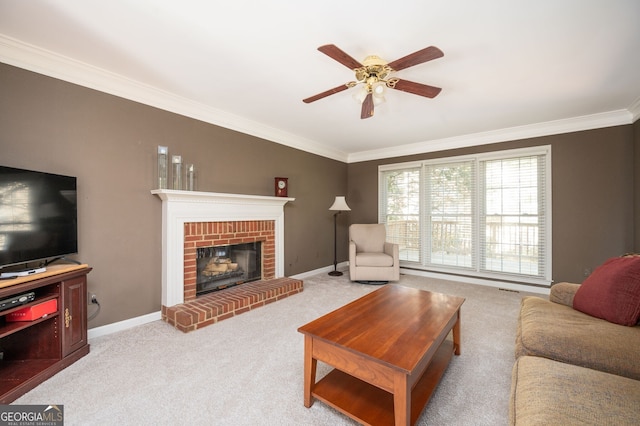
(163, 167)
(176, 163)
(190, 177)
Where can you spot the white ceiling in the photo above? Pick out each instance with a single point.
(511, 69)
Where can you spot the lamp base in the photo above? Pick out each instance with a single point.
(335, 273)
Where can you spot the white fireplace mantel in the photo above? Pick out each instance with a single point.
(180, 207)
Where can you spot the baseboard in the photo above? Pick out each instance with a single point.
(123, 325)
(478, 281)
(156, 316)
(341, 267)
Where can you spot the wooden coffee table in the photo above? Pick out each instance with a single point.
(389, 349)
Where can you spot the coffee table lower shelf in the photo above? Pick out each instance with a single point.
(373, 406)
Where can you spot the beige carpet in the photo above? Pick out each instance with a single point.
(247, 370)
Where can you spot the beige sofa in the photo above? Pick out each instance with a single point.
(573, 368)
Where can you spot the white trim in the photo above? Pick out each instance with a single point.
(123, 325)
(157, 316)
(17, 53)
(493, 155)
(576, 124)
(634, 109)
(479, 281)
(549, 216)
(400, 166)
(342, 266)
(23, 55)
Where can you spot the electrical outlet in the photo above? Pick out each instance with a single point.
(93, 298)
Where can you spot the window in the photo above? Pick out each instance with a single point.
(401, 189)
(486, 215)
(449, 214)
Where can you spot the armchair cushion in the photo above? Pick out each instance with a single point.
(369, 238)
(374, 259)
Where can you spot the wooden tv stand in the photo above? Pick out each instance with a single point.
(33, 351)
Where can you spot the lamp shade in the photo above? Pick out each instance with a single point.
(340, 204)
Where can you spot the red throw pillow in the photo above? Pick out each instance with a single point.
(612, 291)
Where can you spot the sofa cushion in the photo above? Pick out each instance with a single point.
(612, 291)
(558, 332)
(546, 392)
(563, 293)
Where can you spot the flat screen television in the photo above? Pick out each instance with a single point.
(38, 217)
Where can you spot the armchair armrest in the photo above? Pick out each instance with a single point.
(563, 293)
(392, 250)
(352, 258)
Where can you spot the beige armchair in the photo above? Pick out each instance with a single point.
(371, 257)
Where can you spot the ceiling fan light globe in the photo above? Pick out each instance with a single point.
(377, 100)
(378, 89)
(359, 95)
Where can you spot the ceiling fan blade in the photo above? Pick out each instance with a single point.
(415, 58)
(325, 94)
(367, 107)
(339, 55)
(417, 88)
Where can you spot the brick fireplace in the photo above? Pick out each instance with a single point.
(192, 219)
(214, 234)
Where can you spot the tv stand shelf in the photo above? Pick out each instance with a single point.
(33, 351)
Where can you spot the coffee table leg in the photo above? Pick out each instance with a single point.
(401, 399)
(310, 365)
(456, 335)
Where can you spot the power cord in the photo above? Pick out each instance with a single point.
(94, 301)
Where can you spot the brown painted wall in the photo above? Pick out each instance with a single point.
(110, 144)
(593, 194)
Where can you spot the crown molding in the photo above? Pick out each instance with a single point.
(42, 61)
(576, 124)
(634, 109)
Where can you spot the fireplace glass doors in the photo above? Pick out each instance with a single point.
(225, 266)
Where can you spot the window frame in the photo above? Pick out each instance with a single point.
(544, 187)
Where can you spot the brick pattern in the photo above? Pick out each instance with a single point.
(211, 234)
(217, 306)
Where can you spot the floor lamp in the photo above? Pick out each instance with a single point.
(339, 205)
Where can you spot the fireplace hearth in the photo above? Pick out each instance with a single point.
(220, 267)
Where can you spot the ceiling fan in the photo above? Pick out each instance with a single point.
(373, 74)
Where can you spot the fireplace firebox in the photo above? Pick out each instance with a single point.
(220, 267)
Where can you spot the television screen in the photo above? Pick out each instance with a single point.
(38, 216)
